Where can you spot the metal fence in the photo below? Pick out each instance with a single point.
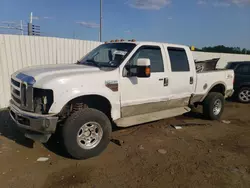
(18, 51)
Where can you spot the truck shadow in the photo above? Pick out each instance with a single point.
(9, 130)
(55, 144)
(192, 115)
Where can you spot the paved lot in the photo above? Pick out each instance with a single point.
(202, 154)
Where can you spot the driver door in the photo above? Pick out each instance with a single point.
(145, 95)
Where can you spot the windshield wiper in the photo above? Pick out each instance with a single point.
(93, 62)
(88, 60)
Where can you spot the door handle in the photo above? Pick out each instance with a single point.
(191, 80)
(165, 81)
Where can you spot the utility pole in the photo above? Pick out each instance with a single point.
(33, 29)
(21, 26)
(30, 29)
(31, 17)
(30, 24)
(100, 32)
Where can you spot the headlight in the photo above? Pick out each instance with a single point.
(43, 99)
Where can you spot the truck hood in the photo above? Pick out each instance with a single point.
(40, 72)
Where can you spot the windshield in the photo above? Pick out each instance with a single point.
(107, 55)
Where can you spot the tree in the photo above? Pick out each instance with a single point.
(224, 49)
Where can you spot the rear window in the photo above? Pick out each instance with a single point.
(231, 66)
(243, 69)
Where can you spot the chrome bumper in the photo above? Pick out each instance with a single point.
(44, 124)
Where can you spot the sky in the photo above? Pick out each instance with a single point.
(189, 22)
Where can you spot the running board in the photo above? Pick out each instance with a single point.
(149, 117)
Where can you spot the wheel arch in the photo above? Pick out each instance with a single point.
(95, 101)
(219, 87)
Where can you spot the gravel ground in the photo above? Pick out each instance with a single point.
(201, 154)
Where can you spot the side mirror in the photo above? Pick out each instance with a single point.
(143, 68)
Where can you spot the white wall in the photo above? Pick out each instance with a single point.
(18, 51)
(224, 58)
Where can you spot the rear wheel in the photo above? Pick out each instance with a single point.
(213, 106)
(244, 95)
(86, 133)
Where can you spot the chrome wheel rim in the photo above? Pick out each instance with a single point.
(217, 107)
(89, 135)
(244, 95)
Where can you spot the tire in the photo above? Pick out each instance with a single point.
(209, 106)
(75, 133)
(243, 95)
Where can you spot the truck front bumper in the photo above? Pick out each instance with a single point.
(39, 127)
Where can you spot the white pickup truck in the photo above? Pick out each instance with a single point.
(121, 83)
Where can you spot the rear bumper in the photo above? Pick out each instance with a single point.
(229, 93)
(43, 124)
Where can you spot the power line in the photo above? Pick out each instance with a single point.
(12, 25)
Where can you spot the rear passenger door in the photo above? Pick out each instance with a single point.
(181, 76)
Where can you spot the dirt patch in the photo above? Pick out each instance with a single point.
(72, 176)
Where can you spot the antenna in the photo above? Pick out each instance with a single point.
(100, 32)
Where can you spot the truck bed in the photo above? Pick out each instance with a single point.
(206, 80)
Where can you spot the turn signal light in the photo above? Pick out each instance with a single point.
(147, 71)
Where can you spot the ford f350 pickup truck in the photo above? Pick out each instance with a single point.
(119, 83)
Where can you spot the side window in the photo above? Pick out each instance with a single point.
(178, 59)
(152, 53)
(243, 69)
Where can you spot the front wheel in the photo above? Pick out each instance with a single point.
(86, 133)
(213, 106)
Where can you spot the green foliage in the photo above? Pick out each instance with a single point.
(224, 49)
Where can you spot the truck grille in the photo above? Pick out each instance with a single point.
(15, 83)
(16, 92)
(21, 95)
